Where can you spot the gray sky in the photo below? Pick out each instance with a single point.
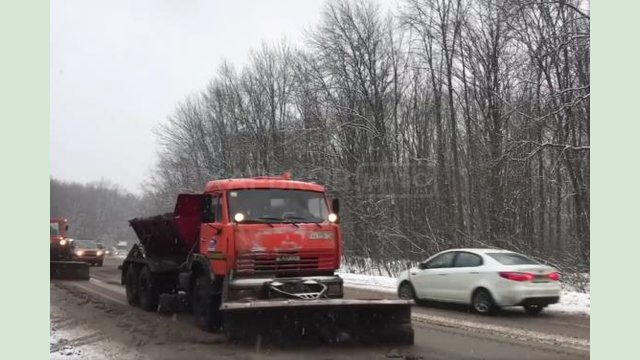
(119, 67)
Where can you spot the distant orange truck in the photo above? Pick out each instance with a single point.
(62, 264)
(59, 242)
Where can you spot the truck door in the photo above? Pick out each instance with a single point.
(214, 235)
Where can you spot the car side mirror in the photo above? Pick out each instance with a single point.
(423, 266)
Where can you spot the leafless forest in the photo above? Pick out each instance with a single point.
(97, 210)
(443, 123)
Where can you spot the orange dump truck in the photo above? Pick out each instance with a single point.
(61, 253)
(256, 257)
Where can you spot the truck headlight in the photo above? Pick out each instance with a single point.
(332, 217)
(63, 242)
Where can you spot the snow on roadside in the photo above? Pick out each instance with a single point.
(571, 302)
(369, 282)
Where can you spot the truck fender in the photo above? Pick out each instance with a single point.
(199, 265)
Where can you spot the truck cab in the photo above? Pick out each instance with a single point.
(268, 228)
(60, 244)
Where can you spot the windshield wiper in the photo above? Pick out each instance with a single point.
(269, 218)
(306, 219)
(260, 220)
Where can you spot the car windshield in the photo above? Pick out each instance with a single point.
(86, 244)
(54, 228)
(512, 259)
(278, 205)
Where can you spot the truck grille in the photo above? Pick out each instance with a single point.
(283, 262)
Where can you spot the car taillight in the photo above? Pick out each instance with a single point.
(554, 276)
(516, 276)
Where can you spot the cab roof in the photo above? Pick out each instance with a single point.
(263, 182)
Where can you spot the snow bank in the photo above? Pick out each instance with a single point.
(369, 282)
(572, 302)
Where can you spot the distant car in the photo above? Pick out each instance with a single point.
(88, 251)
(121, 249)
(486, 279)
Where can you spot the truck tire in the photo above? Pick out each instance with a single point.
(205, 305)
(131, 285)
(147, 290)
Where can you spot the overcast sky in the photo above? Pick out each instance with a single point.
(119, 67)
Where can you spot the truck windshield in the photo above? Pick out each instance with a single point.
(54, 228)
(278, 205)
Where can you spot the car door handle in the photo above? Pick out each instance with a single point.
(474, 272)
(414, 273)
(443, 274)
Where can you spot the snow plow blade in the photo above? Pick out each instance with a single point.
(380, 322)
(69, 270)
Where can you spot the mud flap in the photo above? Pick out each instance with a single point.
(335, 321)
(69, 270)
(169, 304)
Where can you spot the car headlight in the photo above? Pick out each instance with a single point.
(79, 252)
(99, 252)
(63, 242)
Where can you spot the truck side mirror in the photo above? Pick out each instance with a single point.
(335, 206)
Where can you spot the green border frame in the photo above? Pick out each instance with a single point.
(24, 147)
(615, 128)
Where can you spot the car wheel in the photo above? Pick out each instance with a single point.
(482, 302)
(131, 285)
(405, 291)
(533, 308)
(147, 291)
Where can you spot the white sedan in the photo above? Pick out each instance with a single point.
(486, 279)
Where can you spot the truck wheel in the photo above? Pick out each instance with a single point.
(131, 285)
(205, 305)
(147, 291)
